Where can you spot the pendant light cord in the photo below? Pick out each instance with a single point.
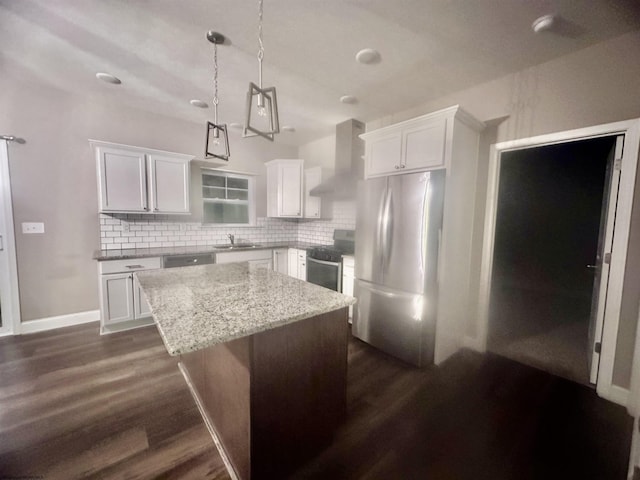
(215, 83)
(261, 45)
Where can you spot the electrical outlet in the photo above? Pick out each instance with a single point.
(32, 227)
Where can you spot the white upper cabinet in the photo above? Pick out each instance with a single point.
(140, 180)
(312, 204)
(123, 180)
(423, 145)
(284, 188)
(419, 144)
(382, 154)
(169, 182)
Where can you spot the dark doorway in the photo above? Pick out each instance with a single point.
(550, 203)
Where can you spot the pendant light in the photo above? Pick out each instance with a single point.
(262, 107)
(217, 145)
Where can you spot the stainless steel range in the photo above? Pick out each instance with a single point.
(324, 264)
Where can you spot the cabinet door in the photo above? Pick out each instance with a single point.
(141, 307)
(264, 263)
(292, 261)
(169, 181)
(302, 265)
(117, 298)
(280, 261)
(290, 190)
(312, 205)
(423, 146)
(123, 180)
(383, 154)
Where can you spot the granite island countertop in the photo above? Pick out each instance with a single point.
(199, 306)
(128, 253)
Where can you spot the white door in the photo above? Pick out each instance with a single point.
(9, 300)
(280, 261)
(384, 154)
(123, 180)
(117, 298)
(603, 260)
(169, 180)
(291, 190)
(292, 262)
(141, 307)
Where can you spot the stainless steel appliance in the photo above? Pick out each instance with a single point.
(324, 264)
(171, 261)
(398, 224)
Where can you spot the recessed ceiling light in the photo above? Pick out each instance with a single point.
(236, 125)
(368, 56)
(198, 103)
(107, 77)
(288, 128)
(350, 99)
(543, 23)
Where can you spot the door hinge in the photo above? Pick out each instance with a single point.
(597, 347)
(607, 258)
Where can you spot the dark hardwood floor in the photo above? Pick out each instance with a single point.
(77, 405)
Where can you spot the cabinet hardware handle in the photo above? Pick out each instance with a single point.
(396, 167)
(402, 166)
(135, 266)
(155, 209)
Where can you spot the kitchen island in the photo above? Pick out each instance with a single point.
(265, 357)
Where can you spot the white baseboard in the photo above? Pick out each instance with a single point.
(49, 323)
(618, 395)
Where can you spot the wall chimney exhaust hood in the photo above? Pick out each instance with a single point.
(349, 166)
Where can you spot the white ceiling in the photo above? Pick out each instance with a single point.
(158, 49)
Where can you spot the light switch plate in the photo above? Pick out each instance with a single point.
(32, 227)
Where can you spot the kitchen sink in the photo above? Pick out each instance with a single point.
(229, 246)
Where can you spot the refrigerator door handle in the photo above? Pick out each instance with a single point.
(427, 221)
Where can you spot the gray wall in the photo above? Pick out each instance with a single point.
(594, 86)
(53, 178)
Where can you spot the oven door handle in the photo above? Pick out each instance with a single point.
(324, 262)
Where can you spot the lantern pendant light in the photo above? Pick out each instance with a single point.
(262, 106)
(217, 145)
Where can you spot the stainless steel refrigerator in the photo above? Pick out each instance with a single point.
(398, 227)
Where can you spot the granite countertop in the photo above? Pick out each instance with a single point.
(127, 253)
(196, 307)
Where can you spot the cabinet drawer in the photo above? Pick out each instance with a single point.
(129, 265)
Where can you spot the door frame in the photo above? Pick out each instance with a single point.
(9, 293)
(631, 131)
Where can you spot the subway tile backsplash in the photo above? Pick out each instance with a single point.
(143, 231)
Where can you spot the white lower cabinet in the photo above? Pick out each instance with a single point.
(281, 260)
(297, 263)
(260, 258)
(122, 303)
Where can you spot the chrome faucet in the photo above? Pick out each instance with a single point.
(231, 238)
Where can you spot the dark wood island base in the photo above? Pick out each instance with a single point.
(273, 399)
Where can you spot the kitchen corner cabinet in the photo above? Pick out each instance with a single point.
(285, 188)
(419, 144)
(447, 139)
(122, 304)
(140, 180)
